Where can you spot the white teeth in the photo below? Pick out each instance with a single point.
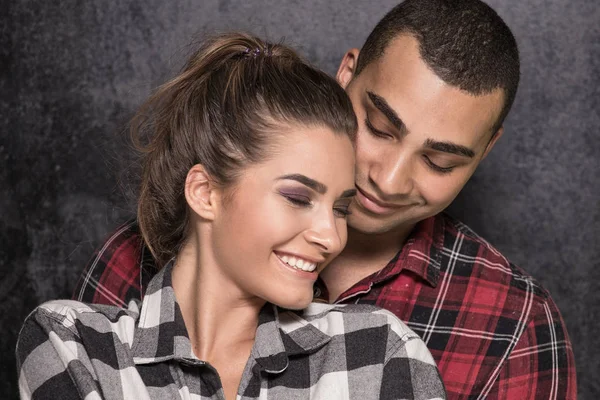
(298, 263)
(308, 266)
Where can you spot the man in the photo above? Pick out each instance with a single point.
(431, 88)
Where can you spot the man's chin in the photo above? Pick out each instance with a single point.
(365, 225)
(362, 224)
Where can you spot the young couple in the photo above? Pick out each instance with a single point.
(253, 164)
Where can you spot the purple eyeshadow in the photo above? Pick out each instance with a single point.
(295, 192)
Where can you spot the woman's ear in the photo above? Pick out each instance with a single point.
(200, 192)
(347, 67)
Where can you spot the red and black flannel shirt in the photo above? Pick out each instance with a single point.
(493, 330)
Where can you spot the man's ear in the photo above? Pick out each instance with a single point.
(347, 67)
(200, 192)
(493, 141)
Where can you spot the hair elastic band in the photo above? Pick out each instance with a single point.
(257, 52)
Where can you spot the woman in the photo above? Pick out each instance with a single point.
(247, 178)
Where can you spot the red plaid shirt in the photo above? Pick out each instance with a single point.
(493, 330)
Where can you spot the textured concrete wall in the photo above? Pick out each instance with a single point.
(72, 72)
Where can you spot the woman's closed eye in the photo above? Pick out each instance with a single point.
(297, 199)
(300, 200)
(342, 211)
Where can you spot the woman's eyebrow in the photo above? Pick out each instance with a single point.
(305, 180)
(348, 193)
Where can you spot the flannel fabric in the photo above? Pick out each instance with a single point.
(493, 330)
(70, 350)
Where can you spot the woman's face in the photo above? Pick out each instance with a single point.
(286, 218)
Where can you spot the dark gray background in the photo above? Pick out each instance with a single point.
(72, 72)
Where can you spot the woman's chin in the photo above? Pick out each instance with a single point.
(296, 303)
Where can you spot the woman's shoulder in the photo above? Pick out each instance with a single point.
(61, 340)
(335, 319)
(78, 309)
(75, 316)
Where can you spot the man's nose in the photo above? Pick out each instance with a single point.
(393, 176)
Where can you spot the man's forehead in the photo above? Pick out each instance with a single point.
(401, 74)
(447, 115)
(402, 54)
(421, 99)
(402, 62)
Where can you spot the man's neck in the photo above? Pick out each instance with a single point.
(364, 255)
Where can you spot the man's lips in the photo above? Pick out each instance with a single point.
(373, 204)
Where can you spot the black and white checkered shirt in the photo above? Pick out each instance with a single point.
(70, 350)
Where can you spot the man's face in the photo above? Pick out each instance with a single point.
(419, 139)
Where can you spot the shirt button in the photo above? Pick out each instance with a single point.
(316, 292)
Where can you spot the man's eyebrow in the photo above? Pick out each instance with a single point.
(305, 180)
(382, 105)
(449, 147)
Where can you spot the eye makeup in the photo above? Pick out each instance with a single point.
(296, 196)
(301, 197)
(342, 209)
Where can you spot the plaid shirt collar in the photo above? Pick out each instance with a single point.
(421, 254)
(161, 334)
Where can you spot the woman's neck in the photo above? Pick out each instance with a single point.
(220, 318)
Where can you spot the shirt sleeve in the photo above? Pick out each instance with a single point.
(542, 365)
(411, 373)
(113, 274)
(51, 362)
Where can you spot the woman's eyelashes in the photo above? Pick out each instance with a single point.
(304, 200)
(342, 211)
(297, 199)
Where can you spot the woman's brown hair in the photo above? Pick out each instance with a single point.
(222, 111)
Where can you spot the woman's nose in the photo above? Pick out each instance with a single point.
(324, 233)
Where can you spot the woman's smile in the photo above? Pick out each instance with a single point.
(298, 266)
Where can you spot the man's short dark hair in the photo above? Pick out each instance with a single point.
(465, 42)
